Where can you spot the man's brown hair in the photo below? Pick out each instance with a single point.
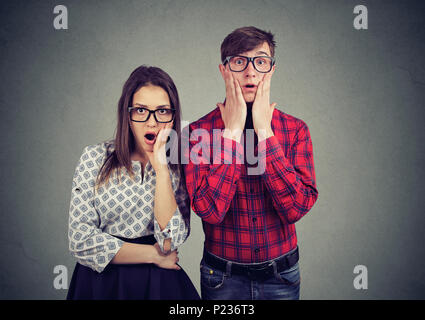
(245, 39)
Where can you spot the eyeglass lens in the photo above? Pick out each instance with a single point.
(142, 114)
(262, 64)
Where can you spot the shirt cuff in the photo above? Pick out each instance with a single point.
(169, 232)
(99, 256)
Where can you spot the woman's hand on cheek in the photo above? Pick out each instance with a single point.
(158, 158)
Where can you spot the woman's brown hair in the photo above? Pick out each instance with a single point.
(124, 139)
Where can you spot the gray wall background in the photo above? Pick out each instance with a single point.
(360, 92)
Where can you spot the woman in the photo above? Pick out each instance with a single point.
(129, 209)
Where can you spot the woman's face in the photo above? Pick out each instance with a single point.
(152, 98)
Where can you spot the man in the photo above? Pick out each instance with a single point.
(248, 215)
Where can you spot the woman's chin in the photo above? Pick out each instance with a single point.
(147, 147)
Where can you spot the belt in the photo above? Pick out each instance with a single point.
(150, 239)
(257, 271)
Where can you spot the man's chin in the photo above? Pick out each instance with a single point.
(249, 98)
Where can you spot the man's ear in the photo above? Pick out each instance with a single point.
(221, 68)
(272, 70)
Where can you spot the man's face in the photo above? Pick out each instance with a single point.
(249, 78)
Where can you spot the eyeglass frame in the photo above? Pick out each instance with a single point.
(152, 111)
(250, 59)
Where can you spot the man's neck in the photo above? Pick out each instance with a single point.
(248, 122)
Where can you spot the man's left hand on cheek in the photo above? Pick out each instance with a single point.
(262, 110)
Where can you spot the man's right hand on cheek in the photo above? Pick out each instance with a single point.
(234, 111)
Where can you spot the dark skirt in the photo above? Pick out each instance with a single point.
(131, 281)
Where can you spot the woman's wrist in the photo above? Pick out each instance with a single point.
(163, 173)
(154, 256)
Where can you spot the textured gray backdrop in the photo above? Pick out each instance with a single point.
(360, 92)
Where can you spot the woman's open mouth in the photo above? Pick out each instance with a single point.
(150, 138)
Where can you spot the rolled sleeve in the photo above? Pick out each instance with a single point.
(178, 228)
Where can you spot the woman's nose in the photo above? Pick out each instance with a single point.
(151, 121)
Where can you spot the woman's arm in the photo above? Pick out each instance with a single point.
(171, 217)
(132, 253)
(165, 202)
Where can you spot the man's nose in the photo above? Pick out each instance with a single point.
(250, 70)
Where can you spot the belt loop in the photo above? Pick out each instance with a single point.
(228, 269)
(274, 267)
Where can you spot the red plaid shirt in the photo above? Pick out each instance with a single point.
(250, 218)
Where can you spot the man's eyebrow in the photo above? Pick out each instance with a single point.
(262, 52)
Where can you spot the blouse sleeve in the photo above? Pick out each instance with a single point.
(178, 228)
(87, 243)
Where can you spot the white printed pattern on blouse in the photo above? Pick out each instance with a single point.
(123, 209)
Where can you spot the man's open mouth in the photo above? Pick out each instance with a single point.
(250, 86)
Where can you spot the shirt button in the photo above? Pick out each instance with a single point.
(257, 250)
(254, 219)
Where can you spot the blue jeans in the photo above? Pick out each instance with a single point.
(219, 285)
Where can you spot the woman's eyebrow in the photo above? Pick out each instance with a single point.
(163, 105)
(157, 107)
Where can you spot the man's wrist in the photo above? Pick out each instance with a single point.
(234, 134)
(264, 134)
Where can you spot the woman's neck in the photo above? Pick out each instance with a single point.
(138, 155)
